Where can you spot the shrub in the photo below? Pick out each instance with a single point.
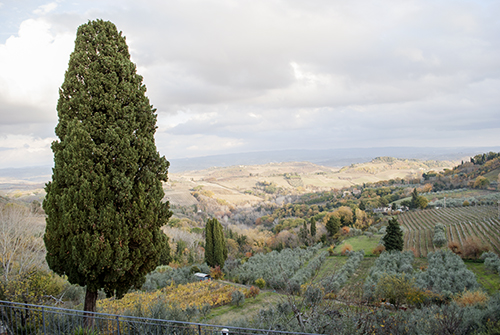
(378, 250)
(237, 298)
(471, 298)
(313, 294)
(345, 230)
(346, 248)
(465, 203)
(253, 292)
(355, 232)
(474, 247)
(394, 288)
(217, 273)
(417, 297)
(261, 283)
(84, 331)
(491, 261)
(389, 263)
(330, 249)
(439, 239)
(454, 246)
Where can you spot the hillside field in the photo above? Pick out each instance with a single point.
(238, 185)
(460, 223)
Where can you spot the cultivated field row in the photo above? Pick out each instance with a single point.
(460, 223)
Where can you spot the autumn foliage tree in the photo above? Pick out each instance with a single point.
(103, 205)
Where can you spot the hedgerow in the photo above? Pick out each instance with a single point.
(336, 281)
(306, 272)
(277, 267)
(446, 274)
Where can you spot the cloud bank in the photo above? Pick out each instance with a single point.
(236, 76)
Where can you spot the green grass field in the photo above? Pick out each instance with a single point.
(361, 243)
(492, 175)
(487, 279)
(330, 265)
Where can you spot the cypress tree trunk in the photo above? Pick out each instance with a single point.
(90, 307)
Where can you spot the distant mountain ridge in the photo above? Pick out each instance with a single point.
(328, 157)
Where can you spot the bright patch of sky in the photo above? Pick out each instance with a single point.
(234, 76)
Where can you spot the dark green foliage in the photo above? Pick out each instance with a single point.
(103, 205)
(414, 199)
(313, 227)
(304, 234)
(333, 225)
(215, 245)
(393, 239)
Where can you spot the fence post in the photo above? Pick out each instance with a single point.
(199, 329)
(43, 320)
(118, 324)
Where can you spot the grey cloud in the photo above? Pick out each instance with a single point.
(296, 74)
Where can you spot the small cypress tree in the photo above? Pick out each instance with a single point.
(313, 227)
(414, 199)
(393, 239)
(103, 205)
(215, 245)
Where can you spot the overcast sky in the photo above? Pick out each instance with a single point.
(233, 76)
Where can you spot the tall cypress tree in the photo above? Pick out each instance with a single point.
(209, 242)
(215, 245)
(313, 227)
(393, 239)
(103, 205)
